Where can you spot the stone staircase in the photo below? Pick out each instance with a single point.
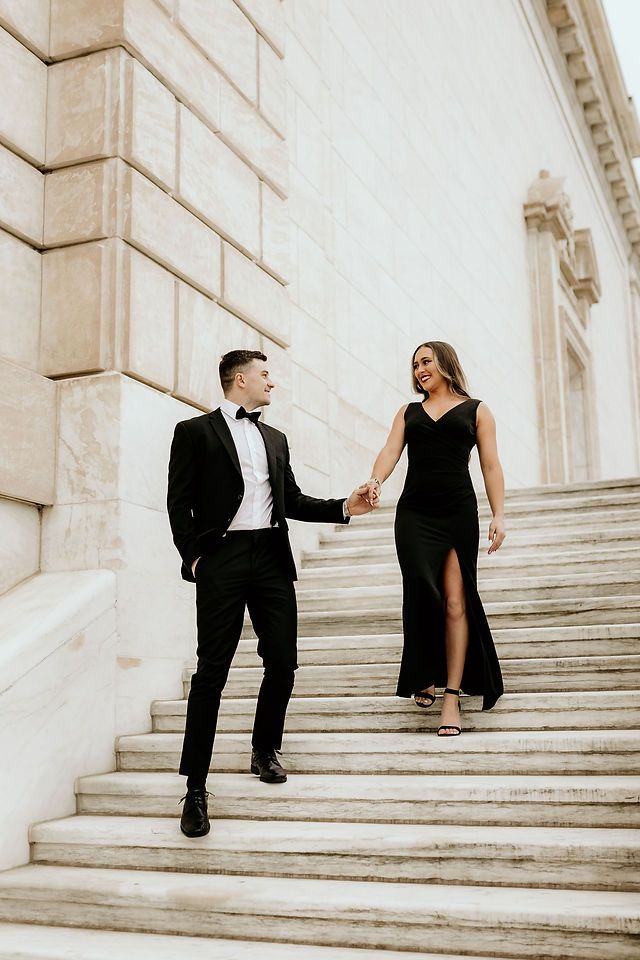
(516, 840)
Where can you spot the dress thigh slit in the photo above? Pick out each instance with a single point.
(423, 542)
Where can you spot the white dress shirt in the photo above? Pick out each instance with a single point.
(257, 503)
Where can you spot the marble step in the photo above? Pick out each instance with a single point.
(531, 516)
(560, 611)
(475, 752)
(559, 577)
(359, 591)
(22, 941)
(531, 674)
(505, 562)
(567, 857)
(600, 640)
(494, 921)
(574, 537)
(578, 488)
(552, 497)
(555, 801)
(598, 710)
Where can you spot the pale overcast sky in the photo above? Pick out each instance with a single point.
(624, 22)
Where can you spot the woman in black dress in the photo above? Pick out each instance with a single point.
(447, 640)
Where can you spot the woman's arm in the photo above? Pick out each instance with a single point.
(492, 473)
(389, 455)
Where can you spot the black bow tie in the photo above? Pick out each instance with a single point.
(241, 412)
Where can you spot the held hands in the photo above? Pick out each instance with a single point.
(496, 533)
(373, 491)
(360, 501)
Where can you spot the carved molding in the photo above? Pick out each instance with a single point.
(564, 283)
(610, 116)
(549, 208)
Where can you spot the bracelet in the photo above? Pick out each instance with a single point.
(375, 480)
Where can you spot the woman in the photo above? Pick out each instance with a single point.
(447, 640)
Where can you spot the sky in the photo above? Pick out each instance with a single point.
(624, 23)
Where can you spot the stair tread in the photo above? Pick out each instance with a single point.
(408, 839)
(304, 898)
(559, 788)
(506, 583)
(19, 941)
(380, 704)
(472, 741)
(589, 661)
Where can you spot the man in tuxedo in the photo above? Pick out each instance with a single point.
(231, 488)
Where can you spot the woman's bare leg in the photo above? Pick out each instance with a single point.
(456, 635)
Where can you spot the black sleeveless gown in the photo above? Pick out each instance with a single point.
(438, 510)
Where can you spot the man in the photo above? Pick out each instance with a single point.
(230, 491)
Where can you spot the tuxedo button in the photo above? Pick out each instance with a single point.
(239, 496)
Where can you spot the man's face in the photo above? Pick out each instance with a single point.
(257, 385)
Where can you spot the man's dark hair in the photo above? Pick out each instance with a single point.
(233, 362)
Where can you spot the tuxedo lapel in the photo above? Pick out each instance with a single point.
(216, 419)
(271, 453)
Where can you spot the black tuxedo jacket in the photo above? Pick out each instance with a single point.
(206, 488)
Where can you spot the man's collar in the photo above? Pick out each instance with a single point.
(229, 407)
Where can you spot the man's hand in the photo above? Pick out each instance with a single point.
(194, 565)
(359, 503)
(373, 492)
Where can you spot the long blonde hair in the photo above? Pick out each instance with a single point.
(447, 365)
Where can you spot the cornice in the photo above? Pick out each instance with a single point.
(585, 43)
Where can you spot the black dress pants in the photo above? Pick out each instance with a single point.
(245, 570)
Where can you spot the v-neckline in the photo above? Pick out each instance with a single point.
(450, 410)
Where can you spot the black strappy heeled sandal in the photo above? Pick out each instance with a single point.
(423, 694)
(452, 726)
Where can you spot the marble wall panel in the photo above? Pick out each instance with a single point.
(147, 422)
(80, 26)
(149, 321)
(87, 469)
(28, 433)
(255, 296)
(149, 141)
(173, 57)
(20, 542)
(58, 660)
(276, 235)
(268, 18)
(280, 411)
(83, 108)
(23, 81)
(29, 22)
(165, 231)
(272, 88)
(147, 31)
(81, 203)
(217, 184)
(81, 536)
(252, 138)
(20, 282)
(205, 332)
(310, 443)
(78, 308)
(21, 198)
(226, 36)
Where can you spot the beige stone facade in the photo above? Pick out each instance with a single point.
(332, 181)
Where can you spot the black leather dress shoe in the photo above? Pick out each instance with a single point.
(265, 764)
(195, 819)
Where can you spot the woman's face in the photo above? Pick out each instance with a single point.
(424, 370)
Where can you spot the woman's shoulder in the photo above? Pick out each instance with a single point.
(409, 409)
